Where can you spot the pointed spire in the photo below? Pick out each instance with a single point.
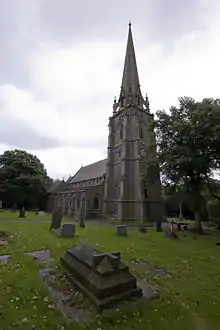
(130, 81)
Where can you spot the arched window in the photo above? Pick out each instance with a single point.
(145, 192)
(121, 132)
(96, 202)
(141, 133)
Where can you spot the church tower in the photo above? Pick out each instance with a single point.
(131, 148)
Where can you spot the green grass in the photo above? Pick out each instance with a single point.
(190, 298)
(29, 215)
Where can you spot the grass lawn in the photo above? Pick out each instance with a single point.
(29, 215)
(190, 297)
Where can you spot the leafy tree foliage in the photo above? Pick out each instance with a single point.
(23, 180)
(188, 147)
(213, 207)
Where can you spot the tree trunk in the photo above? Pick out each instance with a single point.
(159, 226)
(198, 221)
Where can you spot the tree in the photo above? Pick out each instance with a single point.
(213, 207)
(188, 147)
(23, 179)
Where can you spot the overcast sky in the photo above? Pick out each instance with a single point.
(61, 64)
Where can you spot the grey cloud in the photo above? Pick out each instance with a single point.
(159, 19)
(16, 40)
(92, 144)
(24, 24)
(17, 134)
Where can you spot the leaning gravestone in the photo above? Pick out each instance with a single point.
(56, 218)
(103, 277)
(121, 230)
(67, 229)
(22, 212)
(142, 230)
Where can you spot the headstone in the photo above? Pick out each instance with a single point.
(56, 218)
(103, 277)
(68, 230)
(40, 213)
(22, 212)
(0, 204)
(121, 230)
(142, 230)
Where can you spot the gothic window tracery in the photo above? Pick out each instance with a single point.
(121, 131)
(140, 132)
(96, 202)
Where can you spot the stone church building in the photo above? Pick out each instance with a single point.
(114, 187)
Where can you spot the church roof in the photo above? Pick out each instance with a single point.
(56, 187)
(92, 171)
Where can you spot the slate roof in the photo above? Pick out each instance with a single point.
(57, 186)
(92, 171)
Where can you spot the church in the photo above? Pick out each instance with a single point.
(118, 187)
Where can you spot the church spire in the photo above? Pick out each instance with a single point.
(130, 81)
(130, 88)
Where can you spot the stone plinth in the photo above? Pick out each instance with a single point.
(121, 230)
(68, 230)
(104, 277)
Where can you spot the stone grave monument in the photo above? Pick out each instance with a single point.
(66, 230)
(22, 212)
(103, 277)
(121, 230)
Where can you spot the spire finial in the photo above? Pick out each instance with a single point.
(129, 24)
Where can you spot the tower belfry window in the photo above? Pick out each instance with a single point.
(141, 133)
(121, 132)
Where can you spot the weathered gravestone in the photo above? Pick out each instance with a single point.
(56, 219)
(103, 277)
(142, 230)
(0, 204)
(67, 229)
(40, 213)
(121, 230)
(22, 212)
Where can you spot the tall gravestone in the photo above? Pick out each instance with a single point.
(67, 229)
(56, 218)
(22, 212)
(103, 277)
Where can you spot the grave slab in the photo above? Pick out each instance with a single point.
(64, 301)
(103, 277)
(40, 255)
(4, 258)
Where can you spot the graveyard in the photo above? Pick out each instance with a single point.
(183, 275)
